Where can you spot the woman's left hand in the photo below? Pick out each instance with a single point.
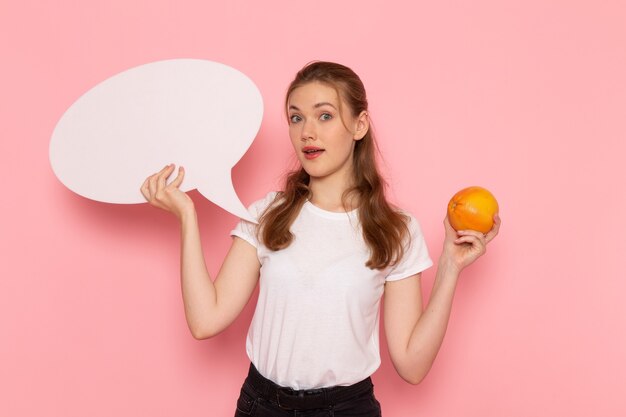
(461, 248)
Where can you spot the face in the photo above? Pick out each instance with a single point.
(323, 130)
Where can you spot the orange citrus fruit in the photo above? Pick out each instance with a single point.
(472, 208)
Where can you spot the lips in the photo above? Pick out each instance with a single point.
(312, 152)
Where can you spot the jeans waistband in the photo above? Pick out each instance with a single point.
(308, 399)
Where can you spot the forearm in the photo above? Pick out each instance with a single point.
(419, 334)
(199, 293)
(430, 329)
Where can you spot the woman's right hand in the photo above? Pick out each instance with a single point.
(165, 196)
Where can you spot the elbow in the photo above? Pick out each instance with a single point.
(200, 333)
(202, 328)
(414, 379)
(414, 374)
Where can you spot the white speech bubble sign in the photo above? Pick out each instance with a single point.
(200, 114)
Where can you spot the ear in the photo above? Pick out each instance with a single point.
(362, 125)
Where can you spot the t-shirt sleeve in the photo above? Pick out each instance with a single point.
(415, 259)
(247, 230)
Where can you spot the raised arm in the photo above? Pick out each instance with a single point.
(415, 336)
(209, 306)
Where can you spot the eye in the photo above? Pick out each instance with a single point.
(294, 118)
(326, 116)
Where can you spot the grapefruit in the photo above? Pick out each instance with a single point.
(472, 208)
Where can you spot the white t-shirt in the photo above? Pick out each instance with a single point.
(316, 322)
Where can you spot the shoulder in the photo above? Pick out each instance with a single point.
(259, 206)
(415, 257)
(411, 222)
(248, 230)
(413, 232)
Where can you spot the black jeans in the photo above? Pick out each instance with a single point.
(260, 397)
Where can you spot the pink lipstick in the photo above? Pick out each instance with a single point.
(312, 152)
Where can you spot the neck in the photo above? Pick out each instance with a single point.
(327, 192)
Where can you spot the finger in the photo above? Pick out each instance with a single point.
(164, 175)
(179, 178)
(467, 239)
(474, 233)
(448, 227)
(476, 243)
(471, 236)
(152, 185)
(494, 230)
(165, 168)
(145, 191)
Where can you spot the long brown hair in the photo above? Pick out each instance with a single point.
(384, 227)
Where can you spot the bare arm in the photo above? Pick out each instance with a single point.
(209, 306)
(415, 336)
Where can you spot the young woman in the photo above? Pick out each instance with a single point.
(326, 250)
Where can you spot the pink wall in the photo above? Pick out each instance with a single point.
(527, 98)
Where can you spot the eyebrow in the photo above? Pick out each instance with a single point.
(324, 103)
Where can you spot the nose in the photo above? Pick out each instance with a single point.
(308, 131)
